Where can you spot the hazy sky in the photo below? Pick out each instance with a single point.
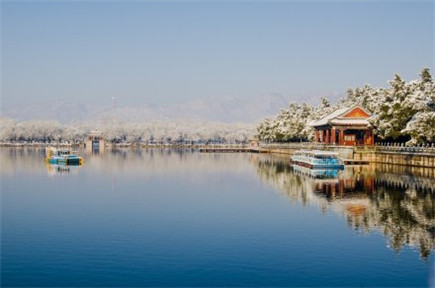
(148, 52)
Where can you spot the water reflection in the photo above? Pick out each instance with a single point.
(131, 217)
(432, 277)
(397, 201)
(143, 163)
(61, 169)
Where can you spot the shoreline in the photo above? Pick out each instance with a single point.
(389, 155)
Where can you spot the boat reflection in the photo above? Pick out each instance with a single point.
(396, 202)
(61, 169)
(316, 173)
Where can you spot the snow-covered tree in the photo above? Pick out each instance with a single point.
(289, 125)
(421, 128)
(7, 127)
(402, 103)
(265, 130)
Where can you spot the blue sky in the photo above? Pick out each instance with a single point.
(147, 52)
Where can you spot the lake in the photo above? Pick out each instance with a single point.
(158, 217)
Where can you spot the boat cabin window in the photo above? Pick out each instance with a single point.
(324, 157)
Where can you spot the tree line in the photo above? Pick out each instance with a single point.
(152, 132)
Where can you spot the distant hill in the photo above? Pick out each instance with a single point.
(221, 109)
(60, 111)
(228, 109)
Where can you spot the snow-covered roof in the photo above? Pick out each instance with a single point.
(317, 152)
(95, 133)
(326, 119)
(337, 118)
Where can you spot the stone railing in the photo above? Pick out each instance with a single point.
(393, 147)
(293, 145)
(401, 147)
(217, 146)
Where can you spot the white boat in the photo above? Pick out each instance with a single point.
(317, 159)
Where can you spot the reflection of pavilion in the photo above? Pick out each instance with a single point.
(347, 190)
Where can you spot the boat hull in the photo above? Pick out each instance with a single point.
(317, 159)
(318, 166)
(65, 160)
(62, 157)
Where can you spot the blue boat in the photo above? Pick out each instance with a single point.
(317, 159)
(62, 156)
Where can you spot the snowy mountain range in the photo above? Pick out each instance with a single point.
(222, 109)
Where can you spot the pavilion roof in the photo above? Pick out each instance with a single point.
(340, 117)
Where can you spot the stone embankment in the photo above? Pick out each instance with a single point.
(394, 154)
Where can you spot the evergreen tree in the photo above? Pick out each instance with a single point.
(401, 103)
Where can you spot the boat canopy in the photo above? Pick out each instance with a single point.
(317, 153)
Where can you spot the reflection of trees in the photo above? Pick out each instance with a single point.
(159, 161)
(134, 162)
(11, 160)
(403, 207)
(278, 173)
(421, 179)
(407, 217)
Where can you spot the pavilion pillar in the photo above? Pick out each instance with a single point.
(341, 138)
(327, 137)
(372, 138)
(317, 136)
(333, 136)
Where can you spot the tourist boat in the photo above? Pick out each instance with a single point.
(62, 156)
(317, 159)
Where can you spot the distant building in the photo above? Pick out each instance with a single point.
(254, 142)
(346, 127)
(94, 140)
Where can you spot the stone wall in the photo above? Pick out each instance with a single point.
(408, 159)
(406, 156)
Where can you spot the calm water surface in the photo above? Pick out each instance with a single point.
(180, 218)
